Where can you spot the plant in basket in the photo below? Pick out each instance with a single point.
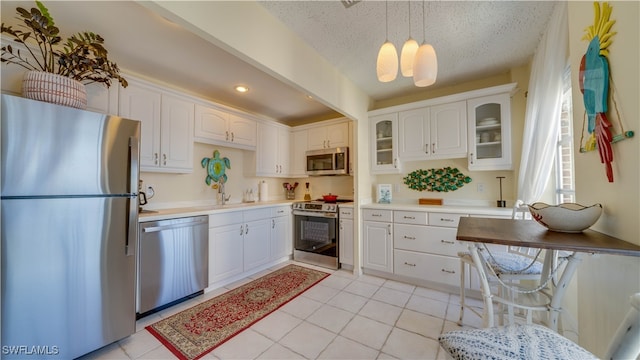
(81, 59)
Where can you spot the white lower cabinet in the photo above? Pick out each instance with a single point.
(345, 235)
(378, 240)
(427, 252)
(416, 244)
(225, 246)
(257, 242)
(281, 231)
(242, 241)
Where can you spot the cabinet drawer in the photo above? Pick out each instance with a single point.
(257, 214)
(410, 217)
(345, 213)
(227, 218)
(279, 211)
(436, 268)
(428, 239)
(445, 219)
(378, 215)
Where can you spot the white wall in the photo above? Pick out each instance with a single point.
(606, 282)
(176, 189)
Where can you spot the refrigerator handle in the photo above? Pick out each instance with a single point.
(134, 157)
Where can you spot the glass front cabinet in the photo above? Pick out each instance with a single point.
(489, 135)
(384, 144)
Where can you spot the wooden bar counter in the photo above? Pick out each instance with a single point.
(477, 231)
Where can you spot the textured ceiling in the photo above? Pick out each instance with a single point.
(473, 39)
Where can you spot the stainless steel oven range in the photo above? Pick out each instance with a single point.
(315, 239)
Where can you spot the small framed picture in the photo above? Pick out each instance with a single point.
(384, 194)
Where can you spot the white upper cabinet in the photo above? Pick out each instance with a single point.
(449, 130)
(436, 132)
(272, 152)
(299, 139)
(384, 144)
(166, 143)
(328, 136)
(218, 127)
(176, 133)
(490, 132)
(102, 99)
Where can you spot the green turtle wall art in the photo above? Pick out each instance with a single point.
(216, 167)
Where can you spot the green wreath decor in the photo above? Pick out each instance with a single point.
(441, 180)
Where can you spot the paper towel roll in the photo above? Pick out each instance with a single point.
(263, 191)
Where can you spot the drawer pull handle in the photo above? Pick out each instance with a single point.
(447, 220)
(447, 242)
(448, 271)
(406, 263)
(410, 217)
(409, 237)
(376, 215)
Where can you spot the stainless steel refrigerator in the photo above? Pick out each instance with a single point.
(69, 229)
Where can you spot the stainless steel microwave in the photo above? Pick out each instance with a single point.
(334, 161)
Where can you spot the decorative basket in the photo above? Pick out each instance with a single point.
(53, 88)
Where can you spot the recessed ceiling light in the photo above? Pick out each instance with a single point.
(242, 88)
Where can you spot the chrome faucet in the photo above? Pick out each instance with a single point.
(221, 191)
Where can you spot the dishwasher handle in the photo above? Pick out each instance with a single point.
(174, 226)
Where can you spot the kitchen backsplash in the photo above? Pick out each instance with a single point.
(188, 189)
(485, 181)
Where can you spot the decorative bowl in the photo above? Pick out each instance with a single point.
(568, 217)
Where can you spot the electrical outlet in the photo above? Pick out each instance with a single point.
(149, 191)
(480, 187)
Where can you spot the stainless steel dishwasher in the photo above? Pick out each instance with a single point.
(173, 260)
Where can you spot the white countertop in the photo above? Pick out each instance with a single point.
(179, 212)
(196, 210)
(455, 209)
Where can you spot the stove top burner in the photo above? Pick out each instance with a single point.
(337, 201)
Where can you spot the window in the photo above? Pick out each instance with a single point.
(565, 182)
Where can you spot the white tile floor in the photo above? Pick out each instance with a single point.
(342, 317)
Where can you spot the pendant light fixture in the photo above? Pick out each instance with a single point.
(387, 64)
(408, 53)
(425, 65)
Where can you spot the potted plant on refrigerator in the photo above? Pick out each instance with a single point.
(58, 71)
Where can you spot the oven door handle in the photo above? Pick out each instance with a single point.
(316, 214)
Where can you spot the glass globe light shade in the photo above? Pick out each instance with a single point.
(425, 66)
(407, 56)
(387, 64)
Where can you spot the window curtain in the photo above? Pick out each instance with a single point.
(544, 101)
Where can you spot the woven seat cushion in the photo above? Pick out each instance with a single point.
(509, 263)
(511, 342)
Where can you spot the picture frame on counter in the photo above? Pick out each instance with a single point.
(383, 195)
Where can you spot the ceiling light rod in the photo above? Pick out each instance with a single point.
(425, 65)
(408, 53)
(387, 62)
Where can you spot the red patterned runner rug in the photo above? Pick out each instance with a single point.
(194, 332)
